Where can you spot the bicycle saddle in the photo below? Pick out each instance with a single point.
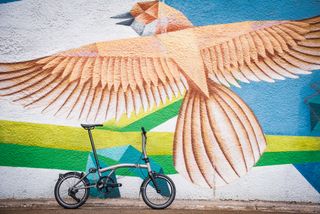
(90, 126)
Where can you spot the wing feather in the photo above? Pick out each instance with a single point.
(259, 44)
(110, 73)
(121, 105)
(282, 42)
(253, 49)
(137, 73)
(69, 67)
(104, 72)
(239, 51)
(173, 68)
(124, 74)
(264, 51)
(116, 73)
(245, 48)
(77, 69)
(144, 71)
(208, 64)
(129, 102)
(136, 100)
(60, 66)
(5, 76)
(150, 97)
(313, 35)
(232, 52)
(226, 56)
(266, 42)
(86, 73)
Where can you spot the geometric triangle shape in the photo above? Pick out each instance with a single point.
(136, 10)
(93, 178)
(314, 114)
(145, 5)
(149, 29)
(119, 155)
(153, 11)
(145, 18)
(138, 26)
(314, 99)
(132, 155)
(126, 22)
(311, 172)
(316, 130)
(114, 153)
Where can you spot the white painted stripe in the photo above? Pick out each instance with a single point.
(19, 183)
(270, 183)
(168, 126)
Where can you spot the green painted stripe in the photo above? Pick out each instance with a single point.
(161, 113)
(155, 119)
(37, 157)
(166, 162)
(278, 158)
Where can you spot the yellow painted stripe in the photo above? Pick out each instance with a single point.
(159, 143)
(292, 143)
(72, 138)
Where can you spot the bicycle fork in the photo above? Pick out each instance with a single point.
(151, 174)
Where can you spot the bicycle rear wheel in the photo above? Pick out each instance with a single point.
(162, 199)
(70, 191)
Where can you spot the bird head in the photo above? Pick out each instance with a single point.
(153, 17)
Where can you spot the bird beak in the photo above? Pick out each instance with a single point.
(127, 16)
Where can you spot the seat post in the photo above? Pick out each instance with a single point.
(94, 150)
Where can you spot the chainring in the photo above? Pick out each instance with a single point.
(102, 184)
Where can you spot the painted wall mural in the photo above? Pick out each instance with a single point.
(174, 76)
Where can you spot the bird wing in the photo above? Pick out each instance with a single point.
(96, 82)
(260, 50)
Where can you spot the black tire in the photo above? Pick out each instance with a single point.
(62, 186)
(158, 200)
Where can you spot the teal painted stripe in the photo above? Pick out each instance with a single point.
(154, 119)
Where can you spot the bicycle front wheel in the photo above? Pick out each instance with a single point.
(161, 199)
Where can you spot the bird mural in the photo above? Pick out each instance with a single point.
(217, 137)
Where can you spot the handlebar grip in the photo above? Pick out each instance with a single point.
(143, 130)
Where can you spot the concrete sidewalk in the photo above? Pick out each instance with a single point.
(264, 206)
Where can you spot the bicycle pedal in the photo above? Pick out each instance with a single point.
(115, 185)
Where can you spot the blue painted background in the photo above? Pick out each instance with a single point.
(279, 106)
